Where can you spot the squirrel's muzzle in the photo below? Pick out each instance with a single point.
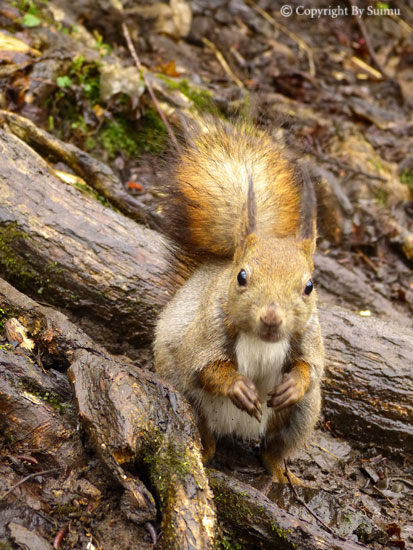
(272, 316)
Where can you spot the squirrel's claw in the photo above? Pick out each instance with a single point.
(244, 395)
(285, 394)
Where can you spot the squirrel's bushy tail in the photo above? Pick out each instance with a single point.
(206, 197)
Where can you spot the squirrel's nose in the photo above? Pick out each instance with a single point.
(272, 316)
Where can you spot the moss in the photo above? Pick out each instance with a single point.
(227, 543)
(202, 99)
(3, 318)
(90, 191)
(382, 196)
(52, 398)
(6, 545)
(13, 265)
(120, 135)
(407, 179)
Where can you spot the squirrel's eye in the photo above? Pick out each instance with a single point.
(308, 287)
(242, 278)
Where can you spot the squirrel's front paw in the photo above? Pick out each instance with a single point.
(244, 395)
(289, 392)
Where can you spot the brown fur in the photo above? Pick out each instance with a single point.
(218, 377)
(205, 199)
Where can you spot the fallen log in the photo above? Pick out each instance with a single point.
(67, 249)
(255, 519)
(368, 385)
(134, 420)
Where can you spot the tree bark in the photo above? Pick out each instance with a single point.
(259, 523)
(133, 419)
(68, 249)
(350, 288)
(368, 386)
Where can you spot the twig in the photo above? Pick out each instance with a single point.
(367, 40)
(299, 41)
(303, 503)
(366, 67)
(325, 451)
(384, 496)
(345, 166)
(35, 474)
(367, 260)
(223, 62)
(27, 458)
(60, 536)
(152, 532)
(148, 85)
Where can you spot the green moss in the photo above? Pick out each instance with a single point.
(120, 135)
(90, 191)
(11, 263)
(6, 545)
(52, 398)
(407, 179)
(382, 196)
(202, 99)
(3, 318)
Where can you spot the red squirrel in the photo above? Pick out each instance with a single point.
(241, 338)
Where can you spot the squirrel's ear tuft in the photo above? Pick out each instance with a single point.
(308, 206)
(251, 213)
(248, 220)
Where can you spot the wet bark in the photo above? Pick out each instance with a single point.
(351, 288)
(134, 419)
(64, 247)
(136, 422)
(368, 386)
(36, 412)
(258, 521)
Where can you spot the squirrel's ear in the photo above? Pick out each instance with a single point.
(308, 246)
(308, 206)
(247, 225)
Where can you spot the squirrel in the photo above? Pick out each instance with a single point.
(241, 338)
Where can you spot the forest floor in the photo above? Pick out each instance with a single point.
(340, 92)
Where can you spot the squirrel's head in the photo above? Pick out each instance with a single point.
(271, 292)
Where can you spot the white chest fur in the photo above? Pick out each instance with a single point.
(260, 361)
